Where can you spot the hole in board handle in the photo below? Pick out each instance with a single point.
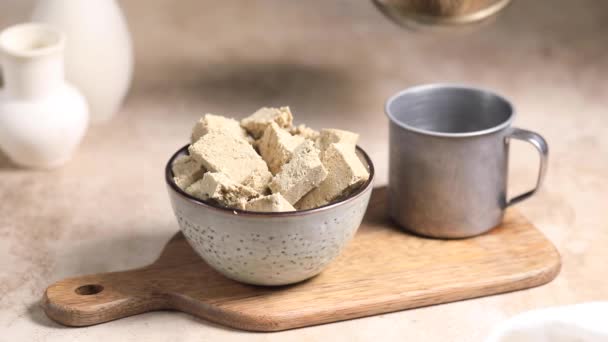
(90, 289)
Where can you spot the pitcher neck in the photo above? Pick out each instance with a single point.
(32, 61)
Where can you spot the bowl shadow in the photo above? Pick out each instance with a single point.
(6, 163)
(242, 87)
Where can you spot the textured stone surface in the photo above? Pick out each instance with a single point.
(334, 63)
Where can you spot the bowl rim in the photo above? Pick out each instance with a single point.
(352, 197)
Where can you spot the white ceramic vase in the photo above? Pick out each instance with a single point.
(99, 54)
(42, 117)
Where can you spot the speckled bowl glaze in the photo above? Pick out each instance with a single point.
(269, 248)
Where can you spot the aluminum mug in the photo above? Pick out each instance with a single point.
(449, 152)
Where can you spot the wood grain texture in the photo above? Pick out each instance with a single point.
(382, 270)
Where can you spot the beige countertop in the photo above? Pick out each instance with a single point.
(334, 62)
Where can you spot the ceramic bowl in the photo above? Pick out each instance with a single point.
(268, 248)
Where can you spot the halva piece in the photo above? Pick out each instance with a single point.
(257, 122)
(270, 203)
(305, 131)
(300, 175)
(186, 171)
(264, 163)
(277, 146)
(235, 157)
(329, 136)
(217, 187)
(216, 123)
(345, 172)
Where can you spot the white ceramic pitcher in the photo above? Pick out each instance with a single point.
(99, 56)
(42, 118)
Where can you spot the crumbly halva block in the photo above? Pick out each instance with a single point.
(217, 123)
(257, 122)
(235, 157)
(300, 175)
(330, 136)
(277, 146)
(186, 171)
(270, 203)
(217, 187)
(305, 131)
(310, 168)
(345, 172)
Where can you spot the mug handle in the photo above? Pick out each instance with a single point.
(543, 149)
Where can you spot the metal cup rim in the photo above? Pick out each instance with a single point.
(424, 87)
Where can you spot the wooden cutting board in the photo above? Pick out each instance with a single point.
(383, 269)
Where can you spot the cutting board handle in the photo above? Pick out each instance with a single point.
(103, 297)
